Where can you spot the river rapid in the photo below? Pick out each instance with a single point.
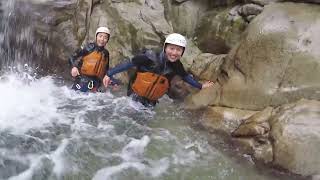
(48, 131)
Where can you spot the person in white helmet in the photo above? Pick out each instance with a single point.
(154, 71)
(90, 63)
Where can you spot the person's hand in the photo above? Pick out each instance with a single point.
(106, 81)
(207, 84)
(75, 72)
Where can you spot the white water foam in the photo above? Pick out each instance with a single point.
(27, 103)
(135, 149)
(132, 158)
(57, 157)
(107, 173)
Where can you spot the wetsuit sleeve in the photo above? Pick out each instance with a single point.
(179, 69)
(190, 80)
(79, 53)
(139, 60)
(119, 68)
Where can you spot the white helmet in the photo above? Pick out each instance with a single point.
(102, 30)
(176, 39)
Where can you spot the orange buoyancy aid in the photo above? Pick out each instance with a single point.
(94, 64)
(150, 85)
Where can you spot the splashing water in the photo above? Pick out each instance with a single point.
(27, 103)
(48, 131)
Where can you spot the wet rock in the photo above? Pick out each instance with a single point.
(256, 125)
(244, 144)
(223, 120)
(204, 97)
(259, 148)
(219, 30)
(207, 66)
(263, 152)
(234, 11)
(250, 9)
(184, 17)
(191, 52)
(250, 18)
(251, 129)
(295, 130)
(252, 136)
(277, 60)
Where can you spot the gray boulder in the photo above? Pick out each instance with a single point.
(277, 61)
(295, 131)
(219, 30)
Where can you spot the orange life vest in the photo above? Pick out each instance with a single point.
(150, 85)
(94, 64)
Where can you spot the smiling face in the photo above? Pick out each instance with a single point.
(102, 39)
(173, 52)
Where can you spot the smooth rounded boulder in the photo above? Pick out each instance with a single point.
(277, 61)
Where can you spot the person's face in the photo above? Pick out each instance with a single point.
(102, 39)
(173, 52)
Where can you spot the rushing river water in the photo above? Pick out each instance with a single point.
(49, 132)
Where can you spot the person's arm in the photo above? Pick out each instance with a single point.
(119, 68)
(179, 69)
(139, 60)
(108, 78)
(190, 80)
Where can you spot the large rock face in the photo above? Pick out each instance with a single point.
(277, 61)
